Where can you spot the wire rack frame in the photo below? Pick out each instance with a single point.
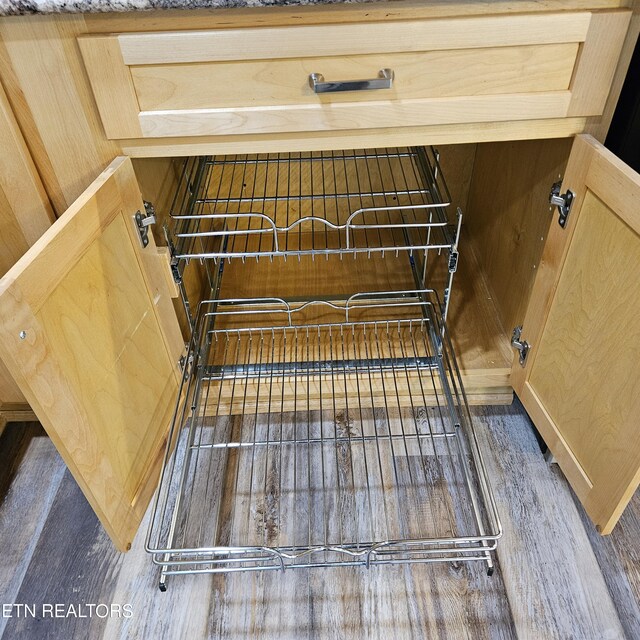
(283, 479)
(311, 204)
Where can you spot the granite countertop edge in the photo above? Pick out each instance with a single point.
(27, 7)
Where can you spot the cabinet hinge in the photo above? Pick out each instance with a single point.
(562, 201)
(144, 221)
(522, 346)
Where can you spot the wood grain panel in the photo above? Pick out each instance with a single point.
(448, 71)
(53, 103)
(25, 214)
(346, 39)
(363, 139)
(427, 74)
(356, 115)
(115, 95)
(12, 240)
(580, 383)
(25, 211)
(598, 127)
(537, 309)
(588, 352)
(457, 162)
(597, 63)
(90, 336)
(508, 217)
(104, 385)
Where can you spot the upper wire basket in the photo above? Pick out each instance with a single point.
(320, 203)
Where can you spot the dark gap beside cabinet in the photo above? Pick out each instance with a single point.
(14, 442)
(624, 134)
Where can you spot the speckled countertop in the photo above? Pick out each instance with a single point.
(19, 7)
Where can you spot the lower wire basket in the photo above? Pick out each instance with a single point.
(329, 444)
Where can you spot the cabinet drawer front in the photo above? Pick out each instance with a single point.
(425, 74)
(446, 71)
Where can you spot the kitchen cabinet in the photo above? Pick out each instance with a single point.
(89, 330)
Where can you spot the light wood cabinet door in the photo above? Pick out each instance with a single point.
(88, 332)
(581, 379)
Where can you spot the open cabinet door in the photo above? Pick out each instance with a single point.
(581, 378)
(88, 331)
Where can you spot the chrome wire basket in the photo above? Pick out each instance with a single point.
(346, 442)
(320, 203)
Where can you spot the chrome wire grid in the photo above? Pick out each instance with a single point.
(293, 204)
(297, 446)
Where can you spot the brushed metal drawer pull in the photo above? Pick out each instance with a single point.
(383, 81)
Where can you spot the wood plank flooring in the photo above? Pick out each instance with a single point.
(555, 576)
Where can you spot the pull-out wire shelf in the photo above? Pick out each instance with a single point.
(302, 445)
(320, 203)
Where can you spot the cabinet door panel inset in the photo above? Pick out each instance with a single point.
(88, 332)
(448, 71)
(581, 382)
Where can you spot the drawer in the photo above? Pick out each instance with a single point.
(438, 72)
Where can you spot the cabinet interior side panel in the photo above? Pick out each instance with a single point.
(508, 217)
(9, 391)
(13, 244)
(457, 161)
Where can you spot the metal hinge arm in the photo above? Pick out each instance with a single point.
(522, 346)
(143, 222)
(562, 201)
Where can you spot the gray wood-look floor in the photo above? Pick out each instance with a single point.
(555, 578)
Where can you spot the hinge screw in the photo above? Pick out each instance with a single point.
(23, 335)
